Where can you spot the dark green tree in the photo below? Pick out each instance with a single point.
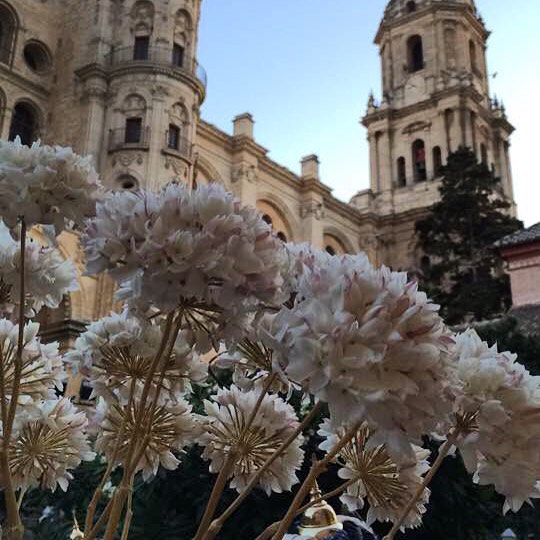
(458, 236)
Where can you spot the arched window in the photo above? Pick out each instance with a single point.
(415, 51)
(127, 182)
(401, 172)
(472, 55)
(419, 160)
(267, 219)
(24, 124)
(178, 55)
(37, 56)
(173, 137)
(282, 237)
(437, 160)
(484, 154)
(8, 30)
(411, 7)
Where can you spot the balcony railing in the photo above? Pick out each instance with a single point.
(157, 55)
(121, 139)
(177, 145)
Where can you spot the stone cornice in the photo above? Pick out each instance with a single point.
(10, 75)
(214, 134)
(440, 6)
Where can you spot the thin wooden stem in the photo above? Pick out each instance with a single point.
(129, 513)
(223, 476)
(119, 498)
(15, 529)
(316, 470)
(92, 507)
(91, 535)
(443, 452)
(252, 484)
(215, 497)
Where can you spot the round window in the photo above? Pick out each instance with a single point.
(127, 182)
(37, 57)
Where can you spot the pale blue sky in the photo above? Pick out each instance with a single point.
(304, 69)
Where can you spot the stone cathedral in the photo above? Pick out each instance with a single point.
(120, 80)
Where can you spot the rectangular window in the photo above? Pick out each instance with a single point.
(173, 137)
(141, 48)
(133, 131)
(178, 55)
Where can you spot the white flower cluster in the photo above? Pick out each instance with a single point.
(42, 368)
(385, 484)
(168, 427)
(198, 250)
(46, 185)
(225, 431)
(504, 449)
(369, 344)
(48, 277)
(48, 442)
(119, 349)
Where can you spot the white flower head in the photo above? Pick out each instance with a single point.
(369, 344)
(46, 185)
(224, 432)
(42, 367)
(201, 251)
(48, 277)
(49, 441)
(120, 349)
(384, 483)
(502, 401)
(169, 429)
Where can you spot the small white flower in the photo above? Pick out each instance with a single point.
(49, 441)
(169, 428)
(502, 400)
(119, 349)
(46, 185)
(385, 484)
(48, 277)
(369, 344)
(201, 251)
(227, 416)
(42, 368)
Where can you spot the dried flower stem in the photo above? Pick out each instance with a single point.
(443, 452)
(316, 470)
(15, 527)
(218, 523)
(120, 495)
(110, 467)
(129, 512)
(223, 476)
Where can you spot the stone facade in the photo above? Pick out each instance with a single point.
(119, 80)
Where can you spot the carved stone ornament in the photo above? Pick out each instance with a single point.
(312, 208)
(125, 159)
(177, 166)
(244, 172)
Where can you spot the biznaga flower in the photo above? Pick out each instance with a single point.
(49, 441)
(167, 428)
(199, 251)
(500, 446)
(378, 479)
(48, 277)
(42, 367)
(119, 349)
(46, 185)
(225, 432)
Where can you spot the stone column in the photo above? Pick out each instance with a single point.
(6, 123)
(430, 171)
(374, 163)
(385, 160)
(157, 139)
(93, 136)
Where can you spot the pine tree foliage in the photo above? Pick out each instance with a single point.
(458, 236)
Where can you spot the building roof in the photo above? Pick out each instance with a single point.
(519, 238)
(396, 8)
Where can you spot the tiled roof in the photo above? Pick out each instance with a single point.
(525, 236)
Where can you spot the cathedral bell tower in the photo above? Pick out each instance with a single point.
(142, 88)
(435, 98)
